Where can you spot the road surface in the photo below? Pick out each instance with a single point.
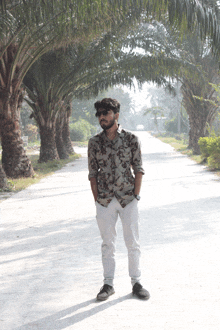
(50, 263)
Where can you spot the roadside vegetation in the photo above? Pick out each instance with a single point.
(41, 170)
(180, 143)
(210, 151)
(209, 147)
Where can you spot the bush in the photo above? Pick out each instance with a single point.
(214, 161)
(172, 126)
(31, 131)
(81, 130)
(203, 144)
(210, 150)
(209, 145)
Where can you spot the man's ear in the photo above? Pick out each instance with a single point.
(117, 115)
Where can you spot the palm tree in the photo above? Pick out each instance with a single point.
(61, 146)
(188, 60)
(196, 86)
(62, 136)
(51, 83)
(199, 68)
(57, 77)
(20, 45)
(3, 180)
(66, 130)
(28, 29)
(41, 83)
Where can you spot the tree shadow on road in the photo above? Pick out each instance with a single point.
(179, 222)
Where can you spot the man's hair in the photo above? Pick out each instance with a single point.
(108, 104)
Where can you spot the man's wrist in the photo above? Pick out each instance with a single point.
(138, 197)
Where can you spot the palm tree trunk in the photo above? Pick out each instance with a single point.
(3, 179)
(48, 149)
(14, 159)
(198, 125)
(61, 148)
(66, 131)
(198, 114)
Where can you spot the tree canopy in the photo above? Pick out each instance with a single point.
(30, 28)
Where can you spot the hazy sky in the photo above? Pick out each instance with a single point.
(140, 97)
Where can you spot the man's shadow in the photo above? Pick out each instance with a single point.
(64, 318)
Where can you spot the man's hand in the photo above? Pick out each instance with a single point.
(137, 183)
(94, 188)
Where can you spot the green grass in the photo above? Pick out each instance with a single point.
(41, 170)
(80, 143)
(181, 146)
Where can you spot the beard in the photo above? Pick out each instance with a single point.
(107, 125)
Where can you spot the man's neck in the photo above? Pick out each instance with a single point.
(111, 132)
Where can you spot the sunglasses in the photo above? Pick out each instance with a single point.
(104, 113)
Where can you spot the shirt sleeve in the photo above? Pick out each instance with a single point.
(136, 162)
(92, 162)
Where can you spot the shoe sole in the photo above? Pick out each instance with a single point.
(142, 298)
(104, 298)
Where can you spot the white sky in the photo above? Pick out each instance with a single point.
(140, 97)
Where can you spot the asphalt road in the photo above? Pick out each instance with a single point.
(50, 263)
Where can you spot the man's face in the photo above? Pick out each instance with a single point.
(107, 118)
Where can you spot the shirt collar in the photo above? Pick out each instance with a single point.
(119, 130)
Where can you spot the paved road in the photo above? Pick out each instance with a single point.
(50, 266)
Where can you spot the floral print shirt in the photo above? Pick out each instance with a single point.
(111, 161)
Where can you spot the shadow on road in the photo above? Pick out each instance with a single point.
(63, 319)
(179, 222)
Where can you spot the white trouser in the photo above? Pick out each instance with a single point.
(107, 219)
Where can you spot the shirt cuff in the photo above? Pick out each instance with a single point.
(92, 175)
(138, 169)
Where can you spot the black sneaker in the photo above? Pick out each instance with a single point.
(105, 292)
(140, 292)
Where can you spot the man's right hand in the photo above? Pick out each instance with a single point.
(94, 188)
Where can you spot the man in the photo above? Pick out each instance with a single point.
(111, 154)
